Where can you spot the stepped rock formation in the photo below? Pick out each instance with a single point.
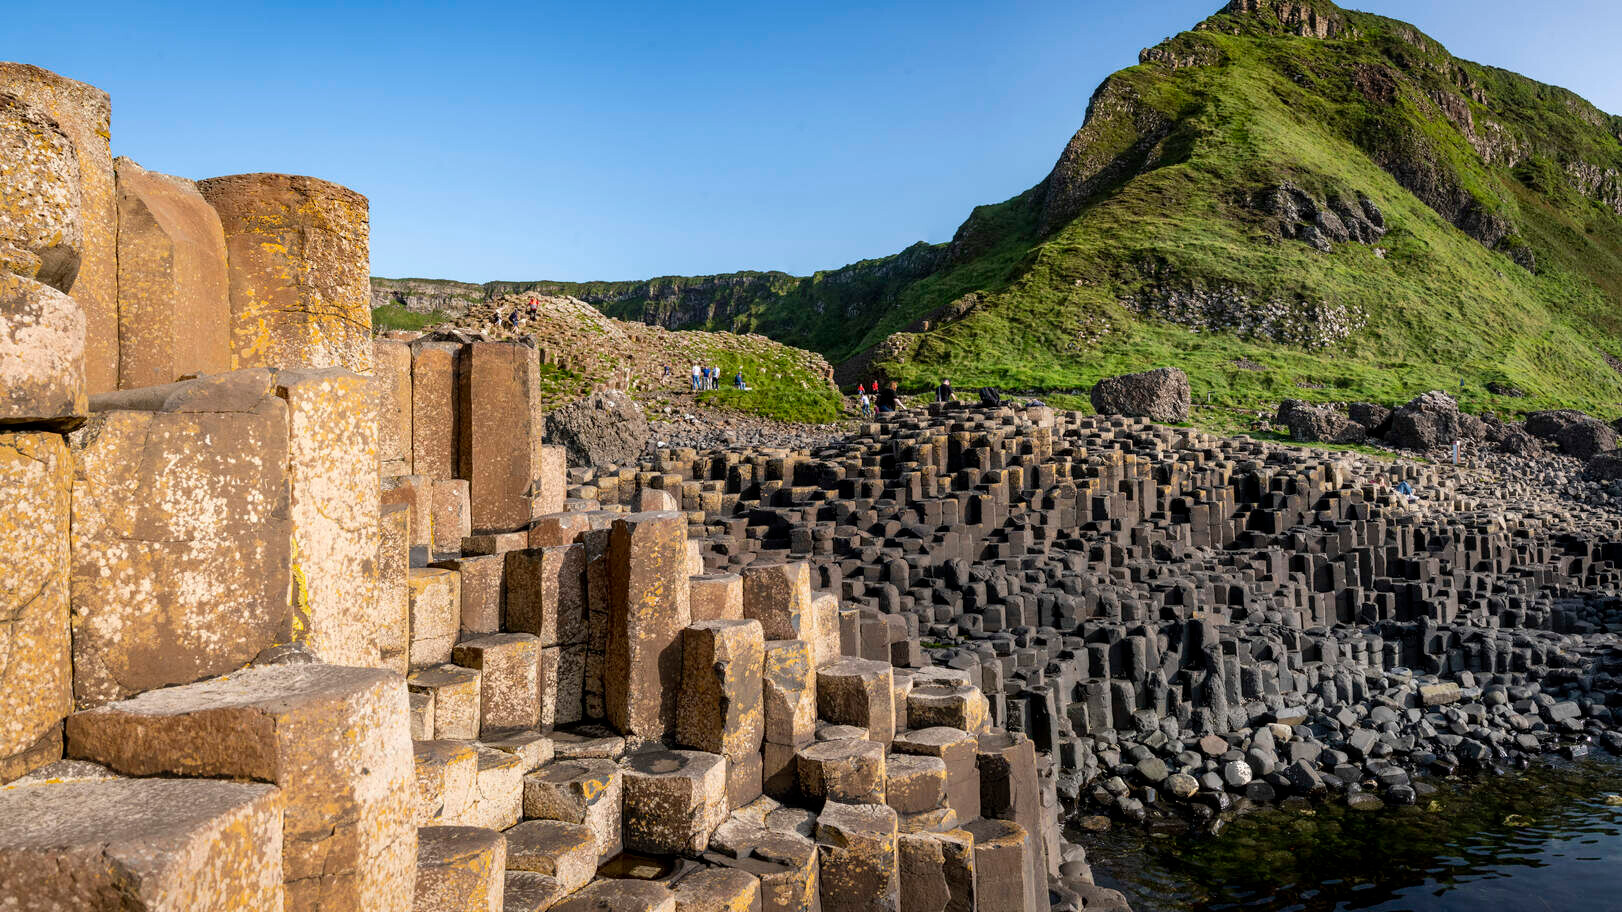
(338, 629)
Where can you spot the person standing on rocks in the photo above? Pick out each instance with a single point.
(867, 404)
(695, 376)
(943, 393)
(889, 399)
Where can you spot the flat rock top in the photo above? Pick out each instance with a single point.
(109, 812)
(271, 688)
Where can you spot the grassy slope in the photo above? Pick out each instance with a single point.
(1442, 308)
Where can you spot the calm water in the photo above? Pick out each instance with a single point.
(1546, 839)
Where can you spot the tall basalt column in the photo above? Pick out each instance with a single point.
(498, 451)
(40, 234)
(435, 406)
(174, 301)
(36, 482)
(332, 468)
(84, 114)
(648, 607)
(300, 270)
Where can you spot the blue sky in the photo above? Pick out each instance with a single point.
(626, 140)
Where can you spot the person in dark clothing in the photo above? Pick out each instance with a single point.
(889, 399)
(943, 393)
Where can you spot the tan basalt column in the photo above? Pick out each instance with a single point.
(1002, 865)
(36, 677)
(84, 114)
(116, 844)
(857, 844)
(509, 678)
(497, 383)
(1011, 790)
(42, 356)
(720, 709)
(335, 739)
(300, 270)
(937, 872)
(435, 409)
(718, 890)
(394, 586)
(182, 536)
(648, 607)
(391, 376)
(452, 516)
(40, 213)
(846, 770)
(332, 467)
(858, 692)
(674, 800)
(589, 792)
(959, 750)
(460, 869)
(779, 596)
(612, 895)
(717, 597)
(789, 704)
(566, 851)
(174, 298)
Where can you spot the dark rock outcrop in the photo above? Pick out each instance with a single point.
(1427, 422)
(1318, 424)
(605, 428)
(1372, 417)
(1297, 214)
(1161, 394)
(1576, 433)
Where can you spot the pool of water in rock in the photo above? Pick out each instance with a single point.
(1549, 838)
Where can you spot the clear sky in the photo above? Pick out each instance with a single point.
(582, 140)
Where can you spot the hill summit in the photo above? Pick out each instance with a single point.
(1289, 200)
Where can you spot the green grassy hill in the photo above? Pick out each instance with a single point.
(1290, 200)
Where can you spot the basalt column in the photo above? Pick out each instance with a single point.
(174, 304)
(300, 292)
(83, 113)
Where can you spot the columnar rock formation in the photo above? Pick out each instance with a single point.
(293, 636)
(303, 620)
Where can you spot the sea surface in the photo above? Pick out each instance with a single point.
(1549, 838)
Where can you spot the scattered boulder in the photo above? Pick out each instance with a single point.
(605, 428)
(1500, 388)
(1427, 422)
(1577, 434)
(1161, 394)
(1606, 466)
(1313, 423)
(1513, 439)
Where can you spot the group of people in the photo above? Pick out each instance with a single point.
(887, 400)
(709, 378)
(515, 317)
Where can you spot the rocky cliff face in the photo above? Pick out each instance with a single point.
(427, 295)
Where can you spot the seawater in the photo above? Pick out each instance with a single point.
(1548, 838)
